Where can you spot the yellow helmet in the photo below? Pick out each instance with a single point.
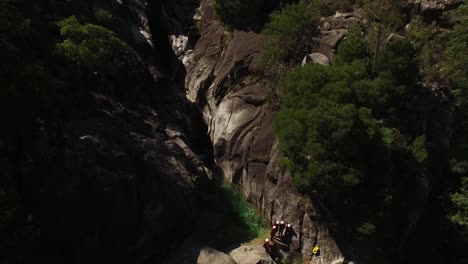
(315, 250)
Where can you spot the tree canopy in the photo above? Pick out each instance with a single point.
(289, 33)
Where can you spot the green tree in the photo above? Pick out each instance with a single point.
(384, 17)
(460, 201)
(419, 149)
(354, 47)
(455, 69)
(288, 35)
(90, 46)
(325, 138)
(397, 62)
(456, 54)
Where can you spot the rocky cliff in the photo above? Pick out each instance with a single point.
(120, 179)
(222, 80)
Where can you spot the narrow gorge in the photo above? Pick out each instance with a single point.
(122, 153)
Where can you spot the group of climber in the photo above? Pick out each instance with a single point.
(281, 235)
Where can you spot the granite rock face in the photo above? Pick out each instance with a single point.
(428, 6)
(222, 82)
(432, 9)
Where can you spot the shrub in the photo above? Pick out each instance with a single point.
(366, 229)
(460, 201)
(419, 149)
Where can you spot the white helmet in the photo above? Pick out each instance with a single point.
(266, 240)
(277, 222)
(274, 227)
(282, 222)
(289, 225)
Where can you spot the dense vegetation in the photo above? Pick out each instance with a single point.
(287, 36)
(333, 135)
(456, 69)
(342, 130)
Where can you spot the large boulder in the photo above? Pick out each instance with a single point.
(431, 6)
(212, 256)
(316, 58)
(251, 255)
(329, 42)
(432, 9)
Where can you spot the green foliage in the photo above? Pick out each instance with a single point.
(244, 213)
(354, 48)
(429, 42)
(366, 229)
(397, 63)
(456, 54)
(392, 15)
(90, 46)
(384, 18)
(287, 36)
(396, 67)
(388, 136)
(332, 136)
(419, 149)
(455, 69)
(329, 144)
(460, 201)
